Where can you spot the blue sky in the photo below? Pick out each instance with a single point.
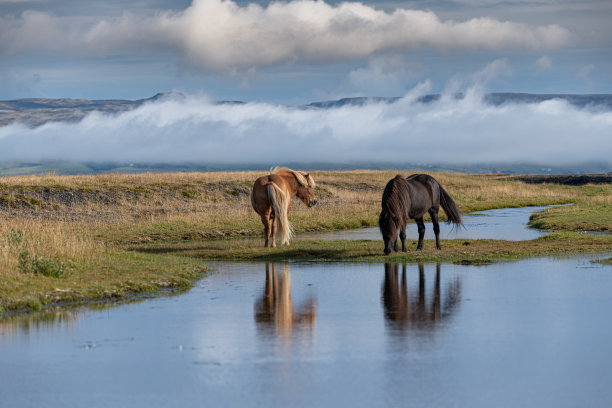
(300, 51)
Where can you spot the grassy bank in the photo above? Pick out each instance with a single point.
(456, 250)
(50, 262)
(76, 238)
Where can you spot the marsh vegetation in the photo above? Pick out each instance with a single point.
(76, 238)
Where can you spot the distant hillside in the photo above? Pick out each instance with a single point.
(35, 112)
(63, 167)
(603, 101)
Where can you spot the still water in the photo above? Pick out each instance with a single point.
(520, 334)
(504, 223)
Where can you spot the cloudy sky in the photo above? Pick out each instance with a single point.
(281, 54)
(299, 51)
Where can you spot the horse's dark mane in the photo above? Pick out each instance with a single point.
(395, 201)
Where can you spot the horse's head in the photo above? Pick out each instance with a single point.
(389, 230)
(307, 195)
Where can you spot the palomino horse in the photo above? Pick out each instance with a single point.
(412, 197)
(275, 309)
(271, 198)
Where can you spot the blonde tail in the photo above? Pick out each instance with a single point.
(280, 204)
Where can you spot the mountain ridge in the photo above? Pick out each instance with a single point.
(34, 112)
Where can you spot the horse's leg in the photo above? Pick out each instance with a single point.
(421, 226)
(436, 226)
(266, 223)
(395, 247)
(403, 238)
(287, 237)
(273, 229)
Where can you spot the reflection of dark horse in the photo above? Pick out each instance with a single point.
(271, 198)
(405, 309)
(275, 308)
(412, 198)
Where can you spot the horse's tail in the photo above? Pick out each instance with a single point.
(280, 204)
(450, 208)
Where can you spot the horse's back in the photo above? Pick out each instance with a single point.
(424, 194)
(424, 179)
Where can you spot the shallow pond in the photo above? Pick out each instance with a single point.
(505, 223)
(530, 333)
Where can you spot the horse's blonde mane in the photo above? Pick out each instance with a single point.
(303, 178)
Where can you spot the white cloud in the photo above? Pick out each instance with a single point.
(221, 36)
(543, 63)
(446, 131)
(495, 69)
(382, 75)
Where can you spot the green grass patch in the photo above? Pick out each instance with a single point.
(457, 250)
(119, 274)
(586, 216)
(38, 265)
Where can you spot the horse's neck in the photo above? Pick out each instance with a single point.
(292, 184)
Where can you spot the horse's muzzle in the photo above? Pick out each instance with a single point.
(312, 202)
(388, 246)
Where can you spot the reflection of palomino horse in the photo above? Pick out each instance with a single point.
(275, 307)
(404, 310)
(412, 197)
(271, 198)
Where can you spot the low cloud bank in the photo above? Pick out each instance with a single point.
(222, 36)
(194, 130)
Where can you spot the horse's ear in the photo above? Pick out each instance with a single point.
(310, 180)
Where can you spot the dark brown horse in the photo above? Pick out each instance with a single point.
(271, 198)
(407, 306)
(412, 197)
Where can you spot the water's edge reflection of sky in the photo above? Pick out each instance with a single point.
(529, 333)
(504, 223)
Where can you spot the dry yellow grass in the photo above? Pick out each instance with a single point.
(50, 239)
(151, 206)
